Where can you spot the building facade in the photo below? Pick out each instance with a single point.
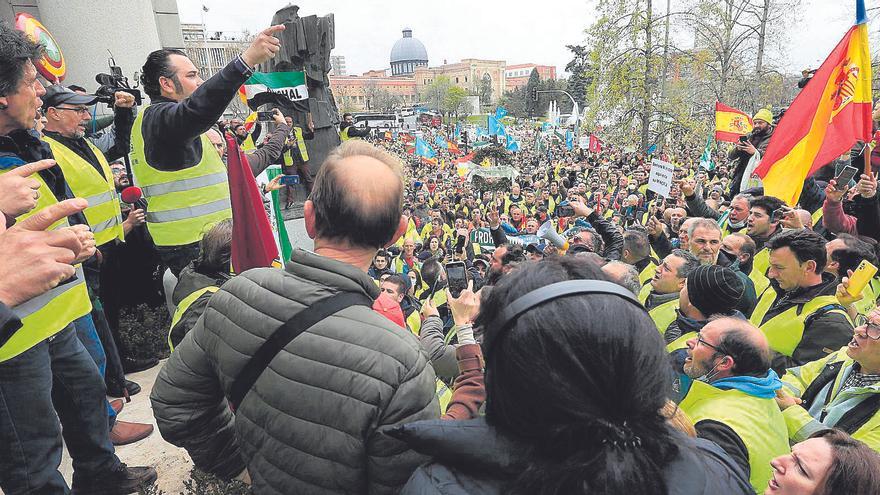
(518, 75)
(211, 51)
(337, 64)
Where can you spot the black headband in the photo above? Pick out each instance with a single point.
(555, 291)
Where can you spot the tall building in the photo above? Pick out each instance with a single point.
(211, 51)
(470, 74)
(518, 75)
(88, 32)
(407, 54)
(337, 64)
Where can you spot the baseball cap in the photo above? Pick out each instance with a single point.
(57, 94)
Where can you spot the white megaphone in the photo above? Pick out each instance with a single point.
(548, 232)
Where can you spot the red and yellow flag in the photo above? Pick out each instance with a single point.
(730, 123)
(830, 114)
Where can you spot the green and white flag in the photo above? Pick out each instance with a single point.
(279, 88)
(706, 159)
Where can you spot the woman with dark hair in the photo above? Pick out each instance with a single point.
(830, 462)
(574, 403)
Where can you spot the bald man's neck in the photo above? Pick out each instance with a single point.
(360, 258)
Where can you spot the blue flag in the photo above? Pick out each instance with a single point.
(512, 145)
(569, 140)
(441, 143)
(500, 113)
(481, 132)
(494, 126)
(457, 134)
(423, 149)
(652, 148)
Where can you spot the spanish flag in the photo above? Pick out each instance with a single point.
(730, 123)
(830, 114)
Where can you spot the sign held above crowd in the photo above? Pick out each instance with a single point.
(661, 177)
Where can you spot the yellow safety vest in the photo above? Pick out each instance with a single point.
(104, 214)
(760, 265)
(414, 322)
(817, 215)
(444, 395)
(49, 313)
(664, 314)
(183, 306)
(758, 423)
(344, 134)
(300, 145)
(681, 342)
(785, 330)
(183, 204)
(648, 272)
(869, 297)
(248, 144)
(644, 293)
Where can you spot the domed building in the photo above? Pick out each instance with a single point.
(407, 54)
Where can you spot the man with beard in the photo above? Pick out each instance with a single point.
(756, 142)
(733, 220)
(762, 225)
(731, 400)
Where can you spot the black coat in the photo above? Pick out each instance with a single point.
(471, 457)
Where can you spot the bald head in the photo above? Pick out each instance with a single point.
(806, 218)
(743, 342)
(217, 140)
(358, 196)
(623, 274)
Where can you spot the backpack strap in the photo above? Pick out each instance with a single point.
(283, 335)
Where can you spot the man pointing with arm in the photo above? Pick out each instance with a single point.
(182, 176)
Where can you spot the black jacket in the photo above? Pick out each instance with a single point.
(171, 129)
(612, 237)
(742, 159)
(471, 457)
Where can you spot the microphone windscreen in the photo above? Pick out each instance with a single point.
(132, 194)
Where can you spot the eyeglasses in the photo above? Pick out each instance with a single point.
(867, 330)
(81, 110)
(716, 348)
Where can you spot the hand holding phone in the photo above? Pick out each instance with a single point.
(289, 180)
(860, 278)
(846, 175)
(456, 277)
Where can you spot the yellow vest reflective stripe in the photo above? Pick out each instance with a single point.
(785, 330)
(681, 342)
(183, 204)
(647, 273)
(758, 275)
(103, 215)
(664, 314)
(50, 312)
(758, 423)
(183, 306)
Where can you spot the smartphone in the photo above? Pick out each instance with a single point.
(456, 277)
(778, 214)
(266, 116)
(289, 180)
(849, 172)
(860, 277)
(564, 211)
(743, 139)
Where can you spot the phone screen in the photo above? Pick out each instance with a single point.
(289, 180)
(456, 277)
(842, 180)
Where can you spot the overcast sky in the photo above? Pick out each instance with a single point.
(518, 32)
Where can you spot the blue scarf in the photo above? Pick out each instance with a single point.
(765, 387)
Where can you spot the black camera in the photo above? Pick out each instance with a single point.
(113, 82)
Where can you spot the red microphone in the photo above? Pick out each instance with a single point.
(134, 196)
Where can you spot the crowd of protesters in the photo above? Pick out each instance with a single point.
(561, 330)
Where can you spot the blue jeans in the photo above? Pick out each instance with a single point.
(88, 335)
(56, 374)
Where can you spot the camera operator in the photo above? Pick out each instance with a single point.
(182, 176)
(112, 135)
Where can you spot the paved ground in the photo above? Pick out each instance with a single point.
(172, 463)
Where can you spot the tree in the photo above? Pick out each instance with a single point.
(514, 102)
(436, 92)
(532, 86)
(455, 102)
(579, 68)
